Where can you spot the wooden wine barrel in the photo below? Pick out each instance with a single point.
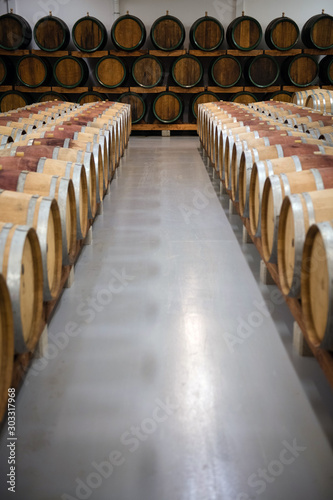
(110, 71)
(15, 32)
(284, 165)
(51, 33)
(128, 33)
(32, 71)
(325, 70)
(203, 97)
(298, 213)
(21, 266)
(138, 106)
(14, 131)
(207, 33)
(167, 107)
(6, 345)
(301, 70)
(43, 214)
(147, 71)
(167, 33)
(244, 97)
(89, 97)
(276, 187)
(89, 34)
(6, 70)
(51, 96)
(187, 71)
(70, 72)
(282, 33)
(282, 96)
(317, 32)
(321, 100)
(12, 99)
(244, 33)
(226, 71)
(316, 284)
(300, 97)
(262, 71)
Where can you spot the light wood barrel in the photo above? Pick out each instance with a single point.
(70, 72)
(110, 71)
(21, 266)
(202, 97)
(42, 213)
(51, 34)
(6, 345)
(128, 33)
(316, 284)
(89, 34)
(298, 213)
(276, 186)
(244, 97)
(244, 33)
(187, 71)
(167, 107)
(90, 97)
(322, 100)
(51, 96)
(12, 99)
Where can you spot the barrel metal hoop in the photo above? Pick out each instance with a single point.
(277, 202)
(53, 186)
(279, 149)
(326, 232)
(21, 181)
(266, 141)
(297, 163)
(269, 168)
(55, 153)
(286, 185)
(3, 238)
(68, 169)
(41, 164)
(66, 143)
(42, 227)
(299, 226)
(310, 208)
(255, 155)
(31, 209)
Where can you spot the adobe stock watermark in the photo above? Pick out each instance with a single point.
(224, 7)
(130, 441)
(246, 326)
(87, 310)
(263, 477)
(49, 6)
(200, 201)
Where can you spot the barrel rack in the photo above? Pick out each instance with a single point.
(117, 91)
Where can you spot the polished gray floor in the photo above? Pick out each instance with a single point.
(169, 373)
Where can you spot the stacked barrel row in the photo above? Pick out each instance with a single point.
(276, 163)
(56, 163)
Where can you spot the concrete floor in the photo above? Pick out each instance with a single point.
(169, 373)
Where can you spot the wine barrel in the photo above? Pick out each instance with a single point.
(110, 71)
(70, 72)
(51, 96)
(167, 33)
(243, 97)
(276, 187)
(317, 32)
(207, 33)
(325, 70)
(6, 345)
(13, 130)
(202, 97)
(21, 266)
(32, 71)
(89, 97)
(51, 33)
(6, 70)
(12, 99)
(282, 33)
(321, 100)
(282, 96)
(262, 71)
(316, 284)
(244, 33)
(138, 106)
(43, 214)
(89, 34)
(15, 32)
(147, 71)
(226, 71)
(300, 97)
(301, 70)
(128, 33)
(187, 71)
(167, 107)
(298, 213)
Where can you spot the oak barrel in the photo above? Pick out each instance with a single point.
(244, 97)
(326, 70)
(89, 34)
(301, 70)
(187, 71)
(244, 33)
(167, 107)
(6, 345)
(147, 71)
(281, 33)
(206, 33)
(167, 33)
(21, 266)
(15, 32)
(226, 71)
(321, 100)
(89, 97)
(138, 106)
(12, 99)
(70, 72)
(262, 71)
(51, 33)
(51, 96)
(32, 71)
(282, 96)
(300, 97)
(201, 98)
(110, 71)
(128, 33)
(317, 32)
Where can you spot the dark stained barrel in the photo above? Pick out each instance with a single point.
(4, 70)
(282, 95)
(90, 97)
(138, 106)
(326, 70)
(167, 33)
(301, 70)
(187, 71)
(110, 71)
(244, 33)
(32, 71)
(51, 96)
(207, 33)
(203, 98)
(13, 99)
(89, 34)
(317, 32)
(167, 107)
(70, 72)
(128, 33)
(51, 33)
(282, 33)
(226, 71)
(147, 71)
(262, 71)
(15, 32)
(244, 97)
